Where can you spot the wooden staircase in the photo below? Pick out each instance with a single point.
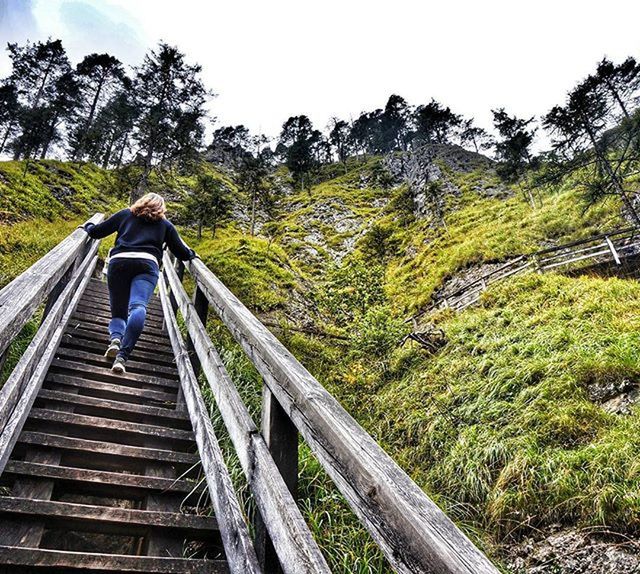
(101, 472)
(104, 471)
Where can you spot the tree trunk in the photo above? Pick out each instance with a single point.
(6, 136)
(122, 148)
(617, 98)
(615, 179)
(254, 200)
(94, 104)
(47, 143)
(200, 228)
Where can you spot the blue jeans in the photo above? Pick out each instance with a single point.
(131, 283)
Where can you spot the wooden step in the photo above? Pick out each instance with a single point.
(115, 409)
(106, 375)
(133, 366)
(94, 319)
(100, 333)
(91, 303)
(96, 428)
(100, 482)
(87, 562)
(109, 390)
(152, 320)
(99, 348)
(101, 338)
(111, 449)
(105, 519)
(101, 291)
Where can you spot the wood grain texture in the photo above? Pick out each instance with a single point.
(414, 534)
(238, 547)
(297, 551)
(83, 561)
(20, 298)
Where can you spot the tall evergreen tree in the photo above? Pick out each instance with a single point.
(298, 146)
(42, 77)
(109, 138)
(230, 145)
(621, 82)
(170, 98)
(209, 202)
(9, 112)
(252, 176)
(589, 138)
(395, 124)
(435, 123)
(513, 149)
(99, 77)
(476, 136)
(340, 139)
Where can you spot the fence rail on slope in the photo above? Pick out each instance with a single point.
(614, 246)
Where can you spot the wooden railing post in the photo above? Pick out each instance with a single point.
(56, 291)
(281, 436)
(201, 306)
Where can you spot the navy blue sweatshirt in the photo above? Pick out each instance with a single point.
(139, 234)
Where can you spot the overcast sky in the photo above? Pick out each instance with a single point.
(269, 59)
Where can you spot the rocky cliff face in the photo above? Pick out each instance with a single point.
(429, 172)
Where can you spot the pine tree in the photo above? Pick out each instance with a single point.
(99, 77)
(169, 97)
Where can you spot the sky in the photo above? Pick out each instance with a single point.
(269, 59)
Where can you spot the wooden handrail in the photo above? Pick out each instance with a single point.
(21, 388)
(294, 544)
(239, 550)
(544, 259)
(20, 298)
(414, 534)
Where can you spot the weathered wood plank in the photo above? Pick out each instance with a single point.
(133, 366)
(237, 543)
(414, 534)
(117, 480)
(151, 328)
(112, 425)
(20, 298)
(297, 551)
(111, 449)
(105, 374)
(111, 390)
(89, 304)
(76, 331)
(70, 561)
(86, 516)
(281, 437)
(119, 410)
(98, 348)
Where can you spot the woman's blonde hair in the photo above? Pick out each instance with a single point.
(150, 206)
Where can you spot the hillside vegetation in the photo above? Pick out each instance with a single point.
(507, 426)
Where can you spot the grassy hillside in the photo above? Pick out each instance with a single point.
(505, 427)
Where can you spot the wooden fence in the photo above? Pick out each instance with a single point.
(613, 247)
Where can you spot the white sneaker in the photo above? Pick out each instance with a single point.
(118, 366)
(113, 349)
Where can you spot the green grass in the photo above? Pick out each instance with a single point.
(499, 427)
(481, 229)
